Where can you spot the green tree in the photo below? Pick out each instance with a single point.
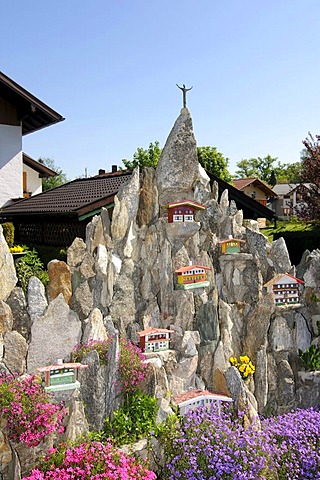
(144, 157)
(209, 157)
(52, 182)
(290, 173)
(214, 162)
(263, 168)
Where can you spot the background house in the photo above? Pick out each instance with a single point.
(57, 216)
(288, 198)
(21, 113)
(255, 188)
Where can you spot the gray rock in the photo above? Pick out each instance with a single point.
(21, 319)
(94, 327)
(15, 352)
(261, 378)
(53, 335)
(280, 256)
(179, 155)
(280, 335)
(76, 252)
(37, 301)
(301, 333)
(76, 422)
(6, 318)
(8, 277)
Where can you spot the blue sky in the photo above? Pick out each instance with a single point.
(111, 69)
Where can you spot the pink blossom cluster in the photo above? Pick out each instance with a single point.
(94, 461)
(132, 366)
(27, 410)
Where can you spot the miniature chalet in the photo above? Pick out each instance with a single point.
(285, 288)
(155, 339)
(231, 245)
(61, 376)
(198, 398)
(192, 276)
(183, 211)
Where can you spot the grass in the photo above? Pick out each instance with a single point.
(288, 226)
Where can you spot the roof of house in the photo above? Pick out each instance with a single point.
(187, 396)
(250, 207)
(76, 198)
(150, 331)
(44, 172)
(278, 277)
(286, 188)
(191, 267)
(48, 368)
(32, 112)
(191, 203)
(227, 240)
(241, 183)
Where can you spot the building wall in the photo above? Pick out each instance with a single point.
(10, 163)
(250, 189)
(34, 182)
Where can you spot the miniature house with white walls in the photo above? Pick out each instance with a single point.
(61, 376)
(191, 276)
(199, 398)
(183, 211)
(285, 287)
(155, 339)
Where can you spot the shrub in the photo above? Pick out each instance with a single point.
(27, 410)
(311, 358)
(8, 233)
(90, 460)
(132, 365)
(133, 420)
(28, 266)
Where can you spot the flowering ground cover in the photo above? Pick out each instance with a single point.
(90, 461)
(132, 365)
(212, 446)
(27, 410)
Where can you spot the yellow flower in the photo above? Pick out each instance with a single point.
(233, 361)
(244, 359)
(242, 368)
(16, 249)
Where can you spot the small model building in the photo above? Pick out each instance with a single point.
(155, 339)
(231, 245)
(61, 376)
(192, 276)
(198, 398)
(285, 288)
(183, 211)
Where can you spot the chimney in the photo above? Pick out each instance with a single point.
(101, 171)
(114, 168)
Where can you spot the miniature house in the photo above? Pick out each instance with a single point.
(285, 288)
(61, 376)
(231, 245)
(183, 211)
(192, 276)
(198, 398)
(155, 339)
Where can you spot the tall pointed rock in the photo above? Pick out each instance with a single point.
(178, 167)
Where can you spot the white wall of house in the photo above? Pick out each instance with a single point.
(34, 182)
(10, 163)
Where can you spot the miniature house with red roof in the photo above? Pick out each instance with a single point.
(61, 376)
(285, 288)
(183, 211)
(231, 245)
(198, 398)
(192, 276)
(155, 339)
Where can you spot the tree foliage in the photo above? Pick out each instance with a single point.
(310, 173)
(52, 182)
(214, 162)
(269, 170)
(209, 157)
(144, 157)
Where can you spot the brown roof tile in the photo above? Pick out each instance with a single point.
(76, 198)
